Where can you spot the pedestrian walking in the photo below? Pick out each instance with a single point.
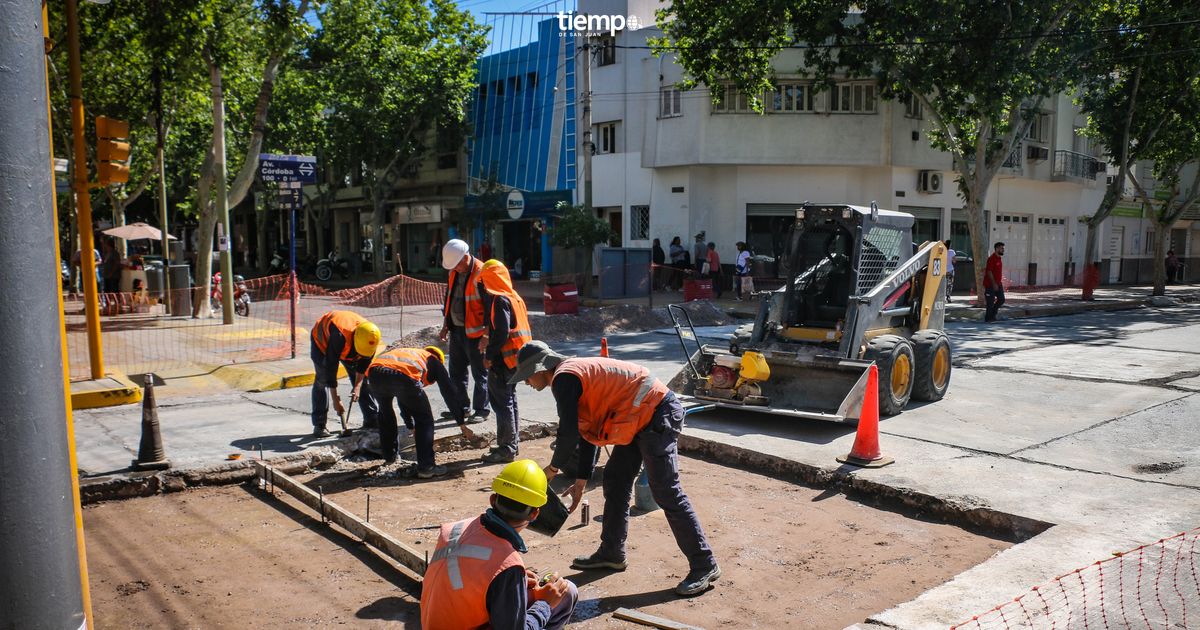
(347, 338)
(744, 281)
(477, 576)
(603, 402)
(659, 258)
(402, 375)
(110, 266)
(713, 265)
(951, 258)
(699, 255)
(993, 285)
(507, 324)
(462, 324)
(1172, 266)
(679, 264)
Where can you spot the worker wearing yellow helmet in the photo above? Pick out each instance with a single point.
(403, 374)
(477, 577)
(348, 338)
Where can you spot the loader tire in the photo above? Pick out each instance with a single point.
(893, 355)
(932, 352)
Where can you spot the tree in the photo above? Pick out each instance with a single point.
(393, 70)
(1177, 150)
(981, 69)
(577, 228)
(1139, 93)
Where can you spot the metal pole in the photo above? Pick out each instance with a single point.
(40, 585)
(222, 205)
(587, 121)
(161, 140)
(83, 199)
(295, 286)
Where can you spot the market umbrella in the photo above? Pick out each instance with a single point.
(137, 231)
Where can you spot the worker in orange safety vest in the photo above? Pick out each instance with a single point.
(462, 324)
(477, 577)
(507, 329)
(607, 402)
(347, 338)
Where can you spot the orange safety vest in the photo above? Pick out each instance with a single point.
(618, 398)
(411, 362)
(474, 302)
(496, 281)
(344, 321)
(468, 557)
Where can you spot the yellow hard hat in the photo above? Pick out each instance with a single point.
(492, 263)
(437, 352)
(366, 339)
(522, 481)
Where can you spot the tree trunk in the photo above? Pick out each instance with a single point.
(378, 193)
(265, 253)
(1160, 264)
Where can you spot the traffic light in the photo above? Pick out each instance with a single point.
(112, 150)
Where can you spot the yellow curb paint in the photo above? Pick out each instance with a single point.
(124, 393)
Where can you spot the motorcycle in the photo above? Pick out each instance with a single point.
(334, 262)
(241, 295)
(279, 262)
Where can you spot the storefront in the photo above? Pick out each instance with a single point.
(418, 229)
(516, 226)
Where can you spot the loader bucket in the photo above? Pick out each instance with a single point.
(811, 387)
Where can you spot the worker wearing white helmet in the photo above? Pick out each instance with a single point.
(463, 325)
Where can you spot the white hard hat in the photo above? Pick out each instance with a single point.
(453, 252)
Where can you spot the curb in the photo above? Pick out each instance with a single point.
(125, 393)
(115, 488)
(252, 379)
(972, 314)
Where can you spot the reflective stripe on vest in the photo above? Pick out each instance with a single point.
(519, 335)
(346, 322)
(472, 301)
(411, 362)
(618, 398)
(467, 558)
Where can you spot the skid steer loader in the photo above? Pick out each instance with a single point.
(855, 293)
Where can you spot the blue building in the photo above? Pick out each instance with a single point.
(521, 157)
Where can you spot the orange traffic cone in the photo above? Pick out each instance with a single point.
(604, 346)
(865, 451)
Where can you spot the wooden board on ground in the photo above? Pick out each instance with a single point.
(331, 511)
(628, 614)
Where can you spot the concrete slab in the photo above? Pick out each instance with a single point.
(1188, 383)
(1097, 362)
(1145, 445)
(1166, 340)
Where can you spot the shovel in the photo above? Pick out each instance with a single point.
(346, 432)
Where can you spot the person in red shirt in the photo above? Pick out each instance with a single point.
(714, 268)
(993, 285)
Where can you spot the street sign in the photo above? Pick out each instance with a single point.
(290, 198)
(287, 168)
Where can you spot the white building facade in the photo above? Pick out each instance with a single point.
(671, 163)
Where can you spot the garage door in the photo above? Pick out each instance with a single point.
(1050, 249)
(1013, 231)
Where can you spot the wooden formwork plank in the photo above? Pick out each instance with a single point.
(331, 511)
(637, 616)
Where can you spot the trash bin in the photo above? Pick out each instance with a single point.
(181, 290)
(154, 281)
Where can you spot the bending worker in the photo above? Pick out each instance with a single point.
(508, 330)
(403, 374)
(477, 577)
(348, 338)
(463, 323)
(604, 401)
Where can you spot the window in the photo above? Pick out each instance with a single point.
(606, 47)
(639, 223)
(607, 134)
(852, 98)
(913, 108)
(732, 101)
(670, 103)
(1039, 128)
(790, 97)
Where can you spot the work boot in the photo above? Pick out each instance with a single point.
(698, 581)
(431, 472)
(498, 457)
(597, 561)
(477, 417)
(320, 432)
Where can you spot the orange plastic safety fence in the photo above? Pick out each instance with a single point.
(1152, 586)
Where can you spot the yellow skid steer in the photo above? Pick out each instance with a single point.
(855, 293)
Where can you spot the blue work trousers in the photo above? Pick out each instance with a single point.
(320, 399)
(464, 353)
(387, 385)
(504, 403)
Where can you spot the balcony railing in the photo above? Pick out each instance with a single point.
(1079, 165)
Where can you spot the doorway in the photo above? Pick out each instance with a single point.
(1116, 245)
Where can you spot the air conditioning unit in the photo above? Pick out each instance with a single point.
(929, 182)
(1037, 153)
(1099, 167)
(1108, 181)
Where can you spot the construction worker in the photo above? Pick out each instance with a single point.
(507, 325)
(477, 577)
(463, 323)
(348, 338)
(602, 402)
(403, 374)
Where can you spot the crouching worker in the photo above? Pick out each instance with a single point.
(604, 402)
(403, 374)
(348, 338)
(477, 577)
(507, 325)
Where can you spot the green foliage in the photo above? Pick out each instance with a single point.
(578, 227)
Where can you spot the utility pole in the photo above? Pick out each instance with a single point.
(41, 580)
(83, 197)
(161, 139)
(588, 146)
(219, 175)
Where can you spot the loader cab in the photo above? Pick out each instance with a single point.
(835, 253)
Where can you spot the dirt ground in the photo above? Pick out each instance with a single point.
(233, 557)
